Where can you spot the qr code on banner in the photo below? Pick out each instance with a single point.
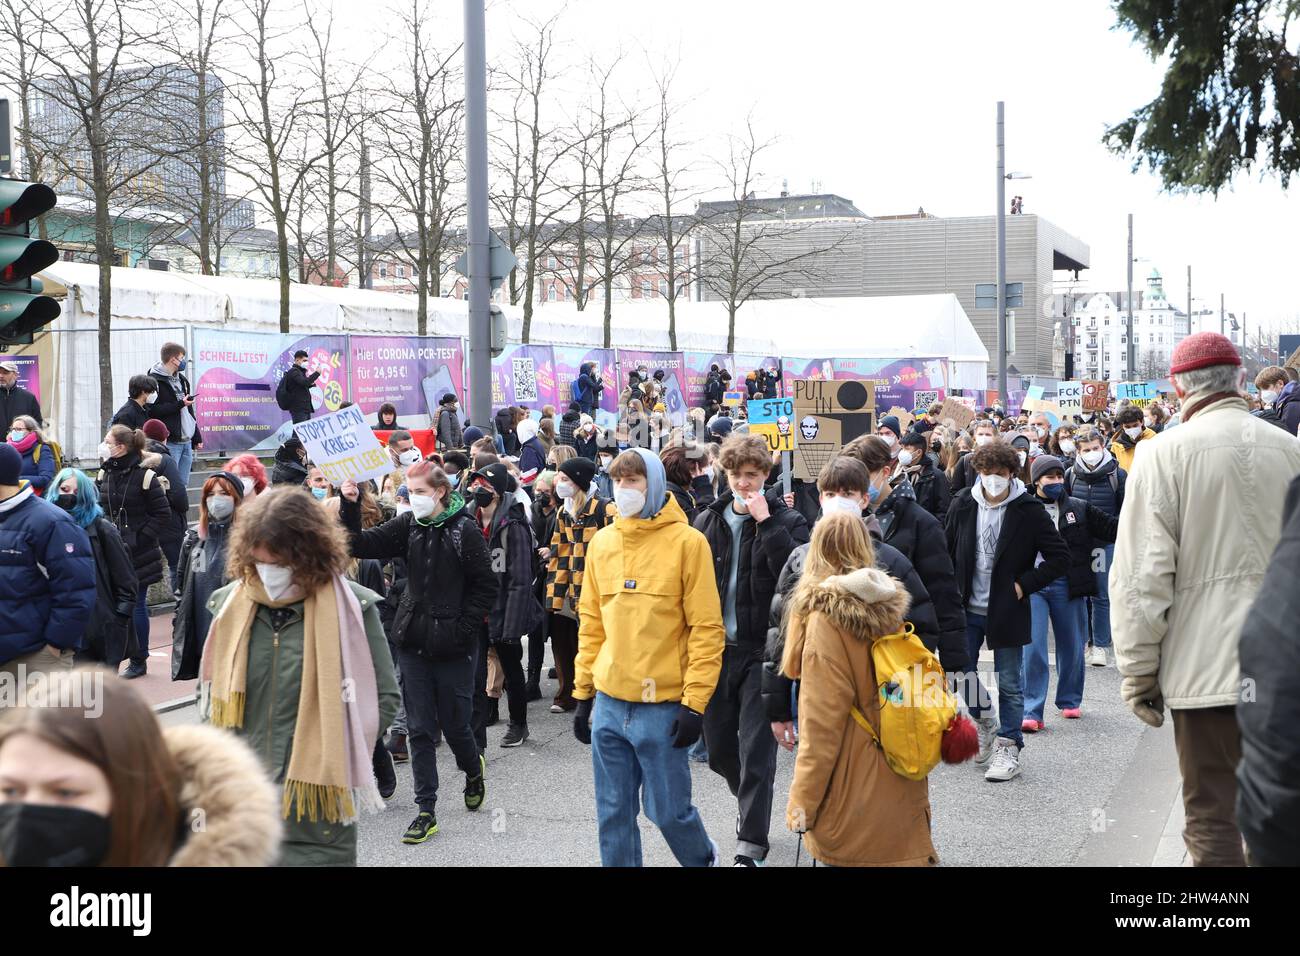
(924, 399)
(525, 380)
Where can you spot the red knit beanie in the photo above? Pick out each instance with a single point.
(156, 430)
(1202, 350)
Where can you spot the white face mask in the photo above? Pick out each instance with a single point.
(1133, 432)
(220, 507)
(565, 489)
(629, 501)
(409, 457)
(995, 485)
(981, 440)
(423, 505)
(1023, 456)
(1034, 449)
(1268, 396)
(888, 440)
(248, 485)
(605, 462)
(708, 472)
(150, 398)
(277, 580)
(833, 504)
(904, 458)
(1067, 446)
(105, 452)
(402, 509)
(1092, 458)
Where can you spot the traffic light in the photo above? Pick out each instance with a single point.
(23, 309)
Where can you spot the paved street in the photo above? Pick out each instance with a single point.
(1098, 791)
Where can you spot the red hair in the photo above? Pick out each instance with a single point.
(218, 484)
(252, 468)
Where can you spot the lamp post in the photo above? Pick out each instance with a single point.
(1003, 176)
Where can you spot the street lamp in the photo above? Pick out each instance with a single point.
(1003, 176)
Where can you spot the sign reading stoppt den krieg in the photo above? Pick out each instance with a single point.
(342, 445)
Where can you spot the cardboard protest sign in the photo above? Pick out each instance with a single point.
(1069, 395)
(829, 414)
(1096, 396)
(773, 418)
(342, 445)
(905, 418)
(733, 399)
(1133, 392)
(1050, 409)
(954, 412)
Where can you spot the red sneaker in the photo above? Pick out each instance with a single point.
(1072, 713)
(1030, 726)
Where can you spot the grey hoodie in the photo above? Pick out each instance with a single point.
(187, 415)
(988, 527)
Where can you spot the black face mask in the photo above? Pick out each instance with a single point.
(34, 834)
(483, 496)
(66, 501)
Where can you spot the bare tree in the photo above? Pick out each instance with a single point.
(1152, 365)
(749, 250)
(18, 63)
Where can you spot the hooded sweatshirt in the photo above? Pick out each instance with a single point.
(988, 527)
(187, 414)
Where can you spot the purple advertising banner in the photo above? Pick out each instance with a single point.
(909, 383)
(236, 374)
(410, 372)
(568, 365)
(524, 375)
(697, 373)
(29, 374)
(674, 366)
(806, 368)
(742, 365)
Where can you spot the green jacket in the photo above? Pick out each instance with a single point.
(271, 713)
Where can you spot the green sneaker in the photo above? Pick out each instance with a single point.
(421, 828)
(475, 788)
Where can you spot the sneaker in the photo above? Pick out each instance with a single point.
(385, 775)
(1072, 713)
(422, 827)
(988, 731)
(396, 745)
(1097, 656)
(557, 709)
(533, 691)
(742, 860)
(1031, 726)
(552, 674)
(475, 787)
(516, 734)
(1006, 762)
(135, 670)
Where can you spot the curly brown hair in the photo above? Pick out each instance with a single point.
(289, 524)
(995, 456)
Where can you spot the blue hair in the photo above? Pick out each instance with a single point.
(87, 508)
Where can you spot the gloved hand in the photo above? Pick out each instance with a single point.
(687, 727)
(582, 721)
(1142, 694)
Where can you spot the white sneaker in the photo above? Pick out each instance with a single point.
(1097, 656)
(988, 731)
(1006, 762)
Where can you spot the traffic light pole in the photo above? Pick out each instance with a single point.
(476, 172)
(1002, 268)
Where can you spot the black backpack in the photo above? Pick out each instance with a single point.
(282, 393)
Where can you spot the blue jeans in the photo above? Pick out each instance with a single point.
(1100, 603)
(634, 759)
(140, 619)
(183, 454)
(1066, 614)
(1007, 663)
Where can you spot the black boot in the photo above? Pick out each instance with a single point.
(385, 774)
(494, 711)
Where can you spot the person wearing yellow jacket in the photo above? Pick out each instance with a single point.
(1129, 432)
(650, 641)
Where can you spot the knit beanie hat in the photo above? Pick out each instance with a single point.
(891, 422)
(155, 429)
(1202, 350)
(471, 434)
(580, 471)
(498, 476)
(722, 426)
(11, 465)
(235, 481)
(1043, 464)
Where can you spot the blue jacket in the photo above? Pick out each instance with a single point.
(39, 473)
(1103, 488)
(42, 607)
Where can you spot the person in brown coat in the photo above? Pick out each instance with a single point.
(853, 809)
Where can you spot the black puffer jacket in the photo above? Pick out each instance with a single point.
(202, 572)
(298, 385)
(918, 535)
(517, 610)
(963, 476)
(139, 512)
(764, 550)
(775, 685)
(289, 469)
(449, 588)
(1085, 529)
(930, 488)
(505, 421)
(109, 628)
(178, 497)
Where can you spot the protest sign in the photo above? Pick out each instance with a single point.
(1133, 392)
(342, 445)
(829, 414)
(1069, 395)
(773, 418)
(904, 417)
(1050, 409)
(955, 413)
(733, 399)
(1096, 396)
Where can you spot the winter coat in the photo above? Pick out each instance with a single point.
(1026, 532)
(1102, 488)
(447, 586)
(1123, 447)
(512, 547)
(963, 476)
(776, 686)
(568, 427)
(918, 536)
(855, 809)
(930, 488)
(274, 683)
(505, 422)
(450, 433)
(1203, 515)
(47, 577)
(298, 388)
(764, 550)
(532, 459)
(542, 520)
(713, 390)
(1086, 531)
(685, 501)
(590, 388)
(569, 539)
(649, 614)
(38, 466)
(1268, 777)
(168, 407)
(222, 778)
(1287, 406)
(201, 573)
(133, 415)
(17, 401)
(588, 448)
(108, 631)
(288, 469)
(136, 502)
(178, 496)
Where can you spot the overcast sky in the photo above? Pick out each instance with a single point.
(893, 105)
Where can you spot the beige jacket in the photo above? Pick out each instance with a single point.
(1202, 514)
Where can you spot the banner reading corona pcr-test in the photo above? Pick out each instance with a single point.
(409, 372)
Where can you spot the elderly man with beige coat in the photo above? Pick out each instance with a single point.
(1202, 515)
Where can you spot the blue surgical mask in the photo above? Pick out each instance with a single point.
(1053, 491)
(320, 493)
(454, 479)
(873, 495)
(185, 363)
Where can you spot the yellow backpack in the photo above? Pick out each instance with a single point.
(916, 707)
(55, 450)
